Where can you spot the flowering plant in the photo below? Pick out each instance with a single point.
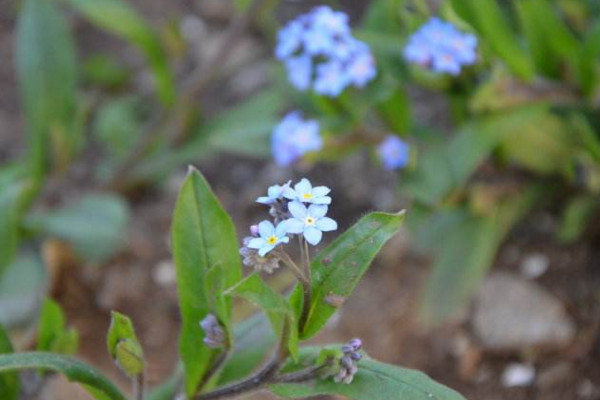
(218, 360)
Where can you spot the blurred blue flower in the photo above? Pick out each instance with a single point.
(293, 137)
(274, 193)
(311, 221)
(270, 237)
(394, 152)
(320, 53)
(304, 192)
(439, 46)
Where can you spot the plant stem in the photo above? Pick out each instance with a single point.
(293, 266)
(138, 387)
(306, 286)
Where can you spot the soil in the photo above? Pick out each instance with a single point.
(384, 309)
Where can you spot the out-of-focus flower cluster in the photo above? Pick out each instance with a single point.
(439, 46)
(293, 137)
(319, 52)
(299, 210)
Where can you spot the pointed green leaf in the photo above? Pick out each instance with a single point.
(206, 257)
(74, 370)
(374, 380)
(339, 267)
(122, 20)
(47, 79)
(280, 313)
(9, 382)
(11, 196)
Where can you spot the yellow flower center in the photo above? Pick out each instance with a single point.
(307, 196)
(272, 240)
(309, 221)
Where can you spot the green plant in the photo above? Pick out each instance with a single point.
(221, 359)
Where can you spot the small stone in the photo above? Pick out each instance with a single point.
(518, 375)
(534, 265)
(587, 390)
(511, 313)
(164, 274)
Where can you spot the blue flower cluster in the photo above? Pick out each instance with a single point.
(439, 46)
(293, 137)
(319, 52)
(306, 207)
(393, 152)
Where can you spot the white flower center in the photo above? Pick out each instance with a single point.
(309, 221)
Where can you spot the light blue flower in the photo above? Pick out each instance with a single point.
(293, 137)
(394, 152)
(270, 237)
(320, 53)
(310, 222)
(300, 71)
(274, 193)
(439, 46)
(304, 192)
(362, 69)
(331, 79)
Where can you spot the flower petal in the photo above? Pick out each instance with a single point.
(322, 200)
(264, 200)
(290, 193)
(256, 243)
(265, 249)
(281, 229)
(326, 224)
(303, 186)
(313, 235)
(317, 210)
(274, 191)
(284, 239)
(297, 209)
(320, 191)
(294, 225)
(265, 228)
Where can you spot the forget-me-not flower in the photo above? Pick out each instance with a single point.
(304, 192)
(274, 193)
(270, 237)
(293, 137)
(310, 222)
(394, 152)
(439, 46)
(320, 53)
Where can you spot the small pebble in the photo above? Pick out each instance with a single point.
(534, 265)
(518, 375)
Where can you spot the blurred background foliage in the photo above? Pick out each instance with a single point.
(524, 129)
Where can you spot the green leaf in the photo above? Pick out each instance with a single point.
(550, 41)
(122, 20)
(206, 257)
(588, 72)
(11, 198)
(123, 345)
(280, 313)
(374, 380)
(22, 288)
(105, 71)
(490, 22)
(576, 217)
(52, 333)
(47, 79)
(465, 251)
(94, 225)
(9, 382)
(246, 128)
(74, 370)
(338, 268)
(395, 111)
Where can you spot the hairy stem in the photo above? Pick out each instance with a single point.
(138, 387)
(293, 267)
(306, 286)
